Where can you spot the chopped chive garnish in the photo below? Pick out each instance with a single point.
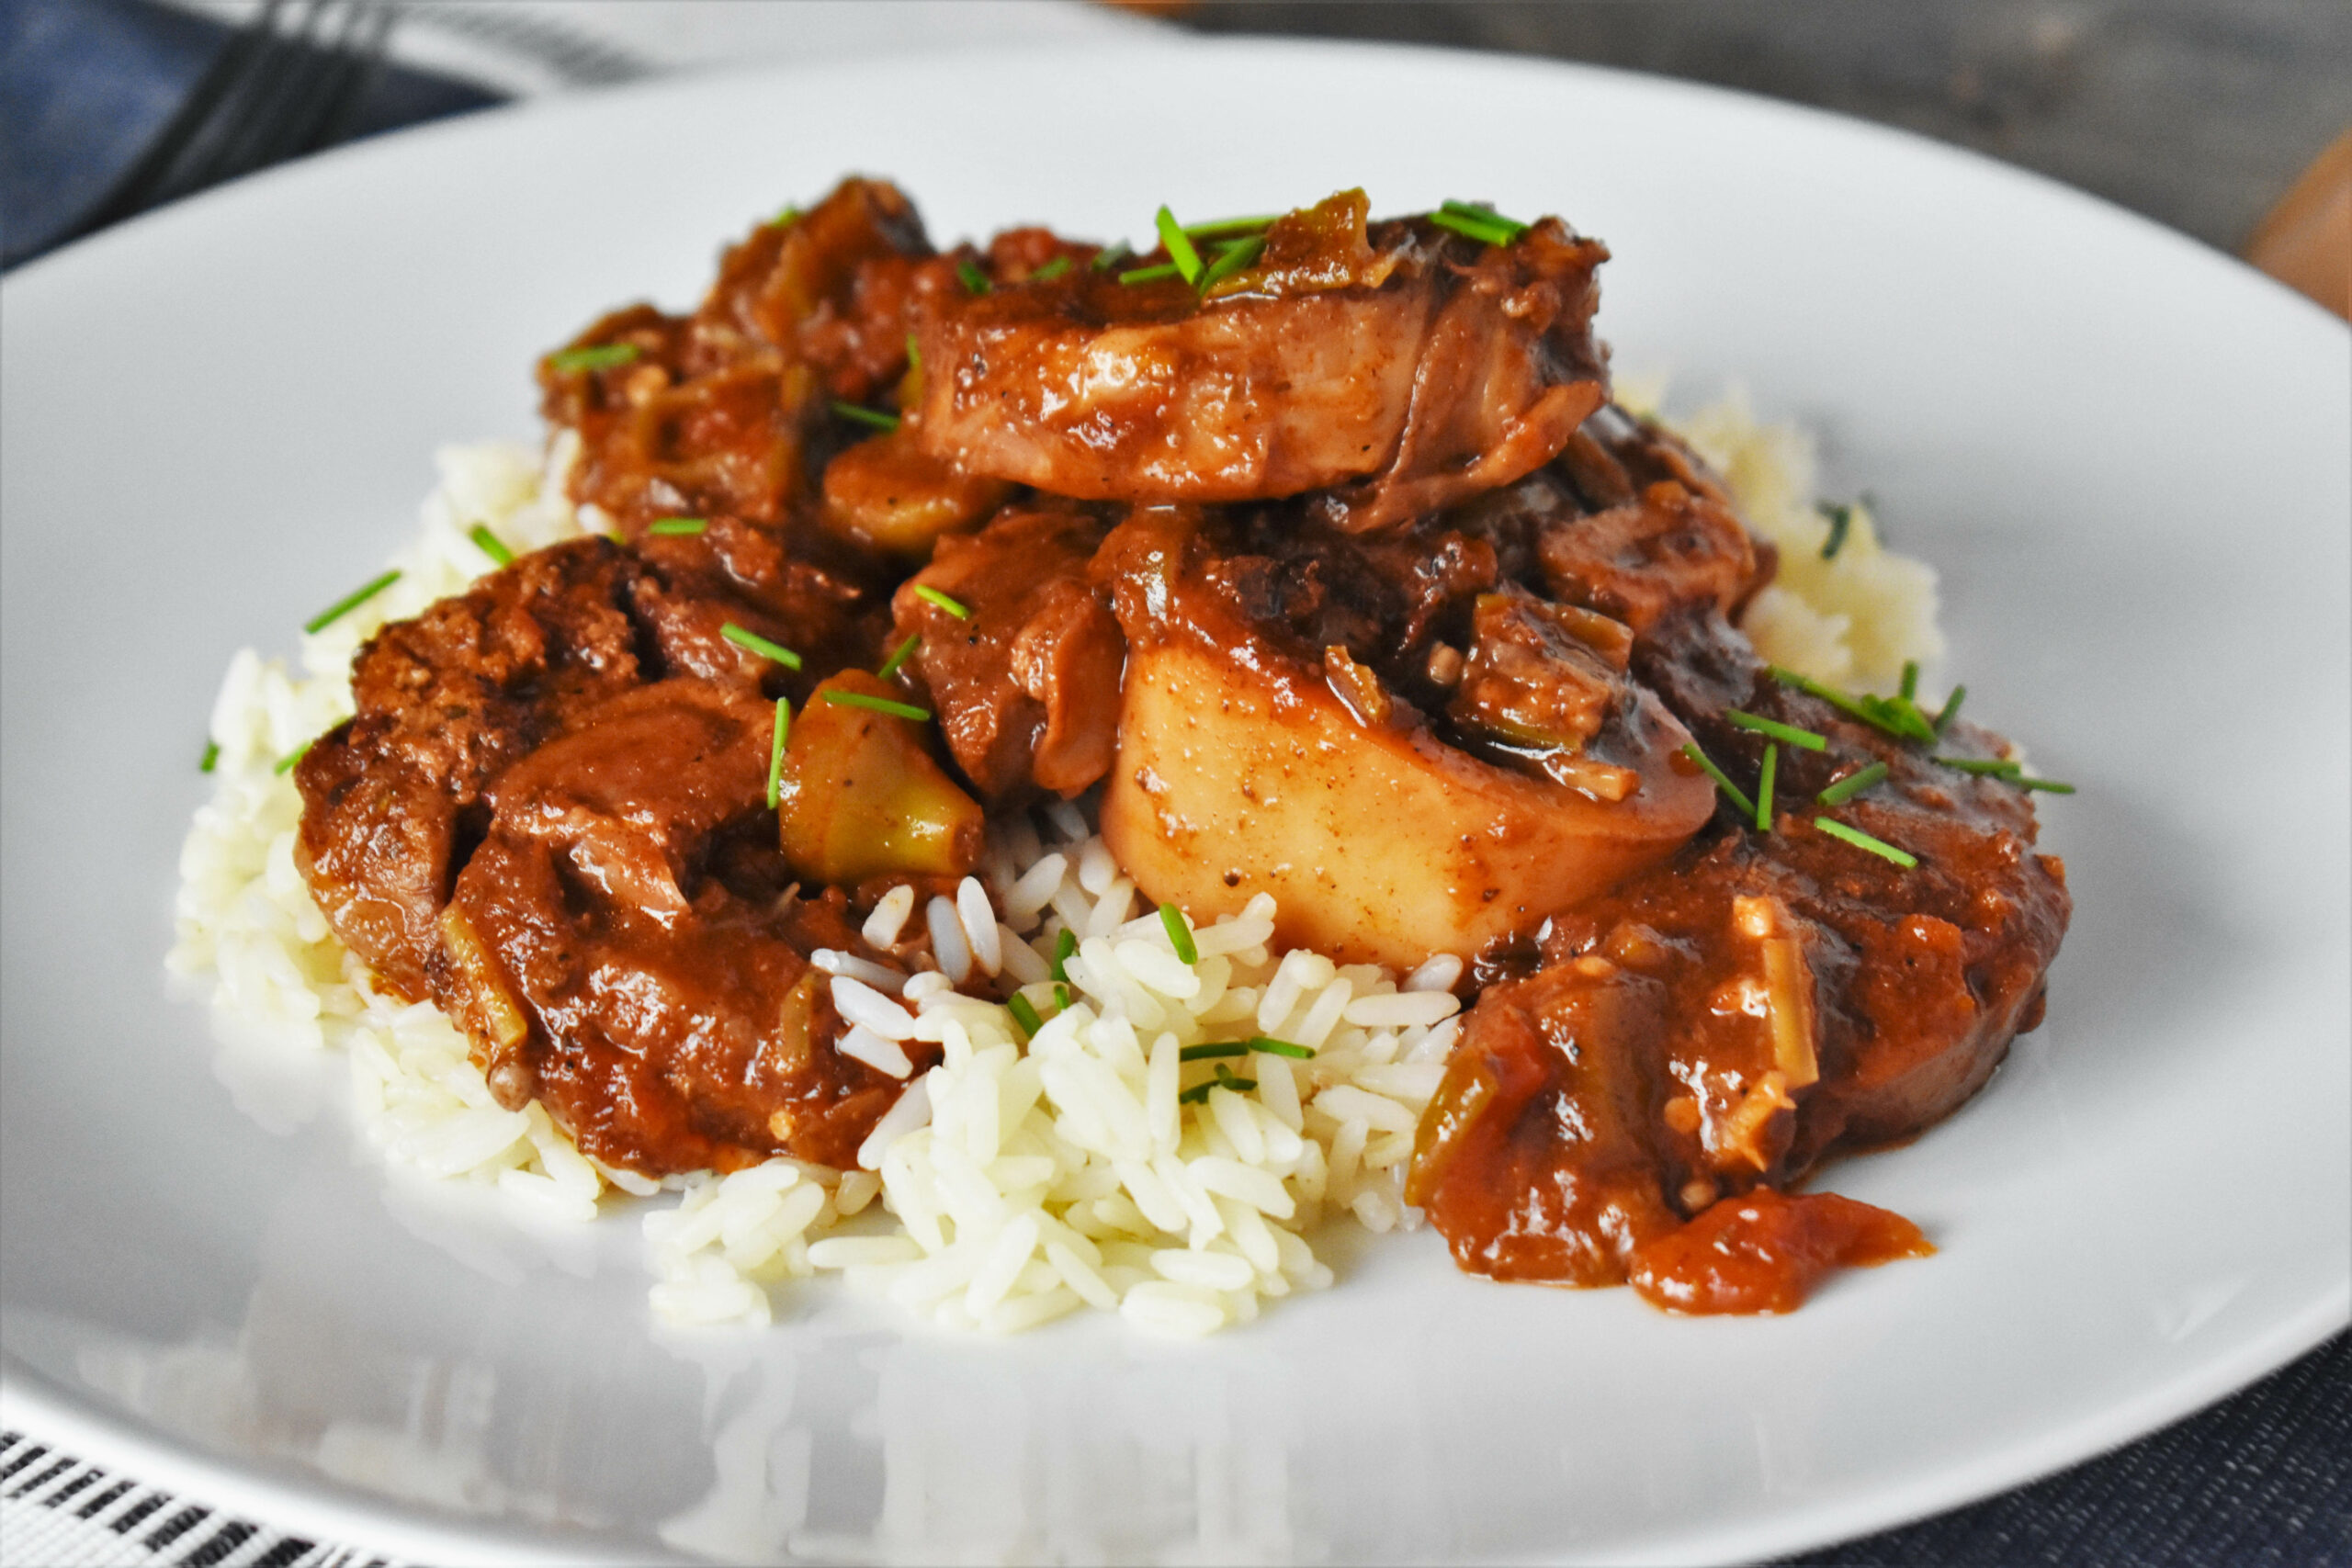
(1910, 678)
(1051, 270)
(1950, 709)
(898, 659)
(914, 353)
(873, 417)
(1852, 785)
(1149, 273)
(1764, 787)
(1841, 518)
(929, 595)
(974, 280)
(595, 357)
(1273, 1048)
(760, 645)
(775, 751)
(350, 601)
(1732, 792)
(1023, 1014)
(286, 764)
(1863, 841)
(1232, 259)
(1179, 935)
(1230, 225)
(1894, 715)
(490, 544)
(1110, 256)
(677, 527)
(1777, 730)
(1225, 1078)
(1061, 995)
(1993, 767)
(2052, 785)
(1065, 944)
(789, 215)
(1215, 1049)
(877, 704)
(1179, 245)
(211, 757)
(1477, 222)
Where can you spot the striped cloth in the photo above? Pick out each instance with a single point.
(58, 1512)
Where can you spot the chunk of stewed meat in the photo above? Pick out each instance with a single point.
(445, 703)
(631, 955)
(1024, 662)
(1414, 369)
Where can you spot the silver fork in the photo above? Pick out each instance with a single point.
(286, 84)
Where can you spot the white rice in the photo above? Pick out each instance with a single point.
(1088, 1168)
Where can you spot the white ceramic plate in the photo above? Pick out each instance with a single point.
(2128, 455)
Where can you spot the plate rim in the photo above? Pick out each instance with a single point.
(102, 1432)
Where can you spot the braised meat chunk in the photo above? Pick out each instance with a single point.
(549, 816)
(1726, 1020)
(1406, 364)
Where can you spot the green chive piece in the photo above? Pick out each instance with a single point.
(1910, 678)
(2052, 785)
(350, 601)
(1483, 212)
(595, 357)
(1732, 792)
(1150, 274)
(1209, 1052)
(1482, 224)
(1863, 841)
(1065, 944)
(1764, 787)
(1230, 225)
(974, 280)
(898, 659)
(1061, 997)
(877, 704)
(1023, 1014)
(1196, 1094)
(1232, 259)
(1777, 730)
(1897, 719)
(1180, 246)
(676, 527)
(286, 764)
(1852, 785)
(1110, 256)
(1227, 1078)
(1841, 518)
(929, 595)
(775, 751)
(753, 642)
(211, 757)
(789, 215)
(873, 417)
(914, 353)
(1051, 270)
(1950, 709)
(1273, 1048)
(1986, 767)
(490, 544)
(1179, 935)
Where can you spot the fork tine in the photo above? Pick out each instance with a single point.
(253, 134)
(136, 189)
(348, 62)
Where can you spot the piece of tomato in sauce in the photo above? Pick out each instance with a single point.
(1764, 1251)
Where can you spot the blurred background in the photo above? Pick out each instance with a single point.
(2229, 121)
